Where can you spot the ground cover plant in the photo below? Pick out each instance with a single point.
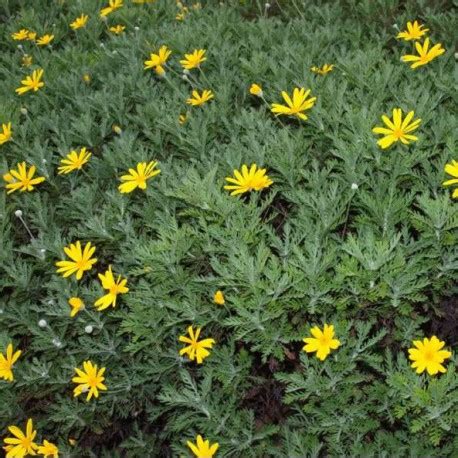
(228, 228)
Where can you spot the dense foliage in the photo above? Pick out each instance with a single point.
(347, 234)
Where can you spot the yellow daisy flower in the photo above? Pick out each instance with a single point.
(296, 105)
(203, 449)
(76, 305)
(256, 90)
(79, 22)
(45, 40)
(74, 161)
(425, 55)
(196, 349)
(427, 355)
(158, 59)
(218, 298)
(22, 179)
(322, 342)
(194, 59)
(117, 29)
(48, 450)
(7, 362)
(253, 179)
(26, 60)
(89, 380)
(21, 444)
(114, 287)
(113, 5)
(199, 99)
(326, 68)
(31, 36)
(22, 35)
(138, 178)
(452, 169)
(31, 83)
(80, 260)
(397, 129)
(5, 134)
(414, 31)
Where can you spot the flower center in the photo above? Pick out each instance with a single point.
(398, 133)
(26, 442)
(325, 340)
(429, 355)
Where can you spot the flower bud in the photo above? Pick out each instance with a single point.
(42, 323)
(18, 213)
(88, 329)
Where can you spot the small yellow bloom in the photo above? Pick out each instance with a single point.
(89, 380)
(22, 35)
(113, 5)
(181, 15)
(26, 60)
(138, 178)
(256, 90)
(7, 362)
(72, 441)
(158, 59)
(452, 169)
(114, 287)
(79, 22)
(80, 260)
(196, 349)
(87, 78)
(117, 129)
(218, 298)
(296, 106)
(141, 2)
(203, 449)
(326, 68)
(397, 130)
(74, 161)
(425, 55)
(48, 450)
(31, 36)
(427, 355)
(5, 134)
(194, 59)
(21, 444)
(45, 40)
(199, 99)
(160, 71)
(183, 118)
(414, 31)
(322, 342)
(76, 305)
(253, 179)
(22, 179)
(31, 83)
(117, 29)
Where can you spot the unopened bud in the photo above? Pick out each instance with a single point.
(42, 323)
(18, 213)
(354, 186)
(23, 111)
(88, 329)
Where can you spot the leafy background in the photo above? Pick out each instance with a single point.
(379, 262)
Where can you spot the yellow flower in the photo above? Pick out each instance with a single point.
(425, 54)
(326, 68)
(74, 161)
(72, 441)
(181, 15)
(322, 342)
(196, 349)
(117, 29)
(80, 260)
(26, 60)
(113, 5)
(87, 78)
(89, 380)
(31, 36)
(296, 106)
(158, 59)
(202, 449)
(160, 70)
(31, 83)
(21, 444)
(248, 180)
(397, 130)
(256, 90)
(22, 179)
(22, 35)
(117, 129)
(45, 40)
(452, 169)
(48, 450)
(141, 2)
(182, 118)
(76, 305)
(198, 99)
(194, 59)
(218, 298)
(7, 362)
(79, 22)
(114, 287)
(414, 31)
(5, 135)
(137, 178)
(428, 355)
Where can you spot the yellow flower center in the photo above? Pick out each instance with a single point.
(429, 355)
(398, 133)
(114, 289)
(324, 340)
(26, 442)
